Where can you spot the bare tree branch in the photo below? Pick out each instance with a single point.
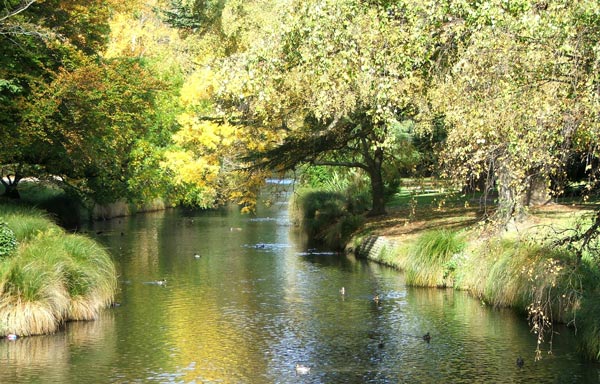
(23, 6)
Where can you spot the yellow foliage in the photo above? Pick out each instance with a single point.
(199, 86)
(191, 169)
(203, 135)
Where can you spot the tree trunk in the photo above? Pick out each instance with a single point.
(509, 198)
(375, 174)
(537, 190)
(377, 192)
(10, 188)
(516, 194)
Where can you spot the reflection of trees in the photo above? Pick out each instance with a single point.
(48, 358)
(245, 314)
(469, 337)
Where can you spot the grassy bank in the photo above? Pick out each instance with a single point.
(70, 211)
(47, 276)
(520, 268)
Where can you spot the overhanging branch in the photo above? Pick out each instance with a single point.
(23, 6)
(347, 164)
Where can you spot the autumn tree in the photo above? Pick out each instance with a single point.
(206, 158)
(37, 39)
(84, 125)
(330, 86)
(522, 99)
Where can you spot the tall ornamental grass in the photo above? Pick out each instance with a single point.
(52, 277)
(90, 277)
(433, 258)
(33, 299)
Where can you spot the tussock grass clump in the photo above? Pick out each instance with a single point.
(90, 277)
(526, 275)
(433, 259)
(27, 222)
(589, 325)
(33, 299)
(53, 277)
(507, 283)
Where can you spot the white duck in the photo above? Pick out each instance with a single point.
(302, 369)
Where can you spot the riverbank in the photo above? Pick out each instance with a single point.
(70, 212)
(449, 248)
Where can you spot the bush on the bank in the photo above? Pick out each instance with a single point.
(433, 259)
(8, 241)
(52, 278)
(326, 217)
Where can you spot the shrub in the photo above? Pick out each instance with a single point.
(8, 240)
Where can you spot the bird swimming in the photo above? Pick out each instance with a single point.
(302, 369)
(520, 362)
(427, 337)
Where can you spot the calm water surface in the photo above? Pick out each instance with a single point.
(258, 301)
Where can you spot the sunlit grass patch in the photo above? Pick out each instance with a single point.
(27, 222)
(90, 277)
(433, 258)
(33, 299)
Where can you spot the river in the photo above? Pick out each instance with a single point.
(257, 301)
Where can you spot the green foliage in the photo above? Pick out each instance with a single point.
(8, 241)
(519, 96)
(326, 216)
(433, 259)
